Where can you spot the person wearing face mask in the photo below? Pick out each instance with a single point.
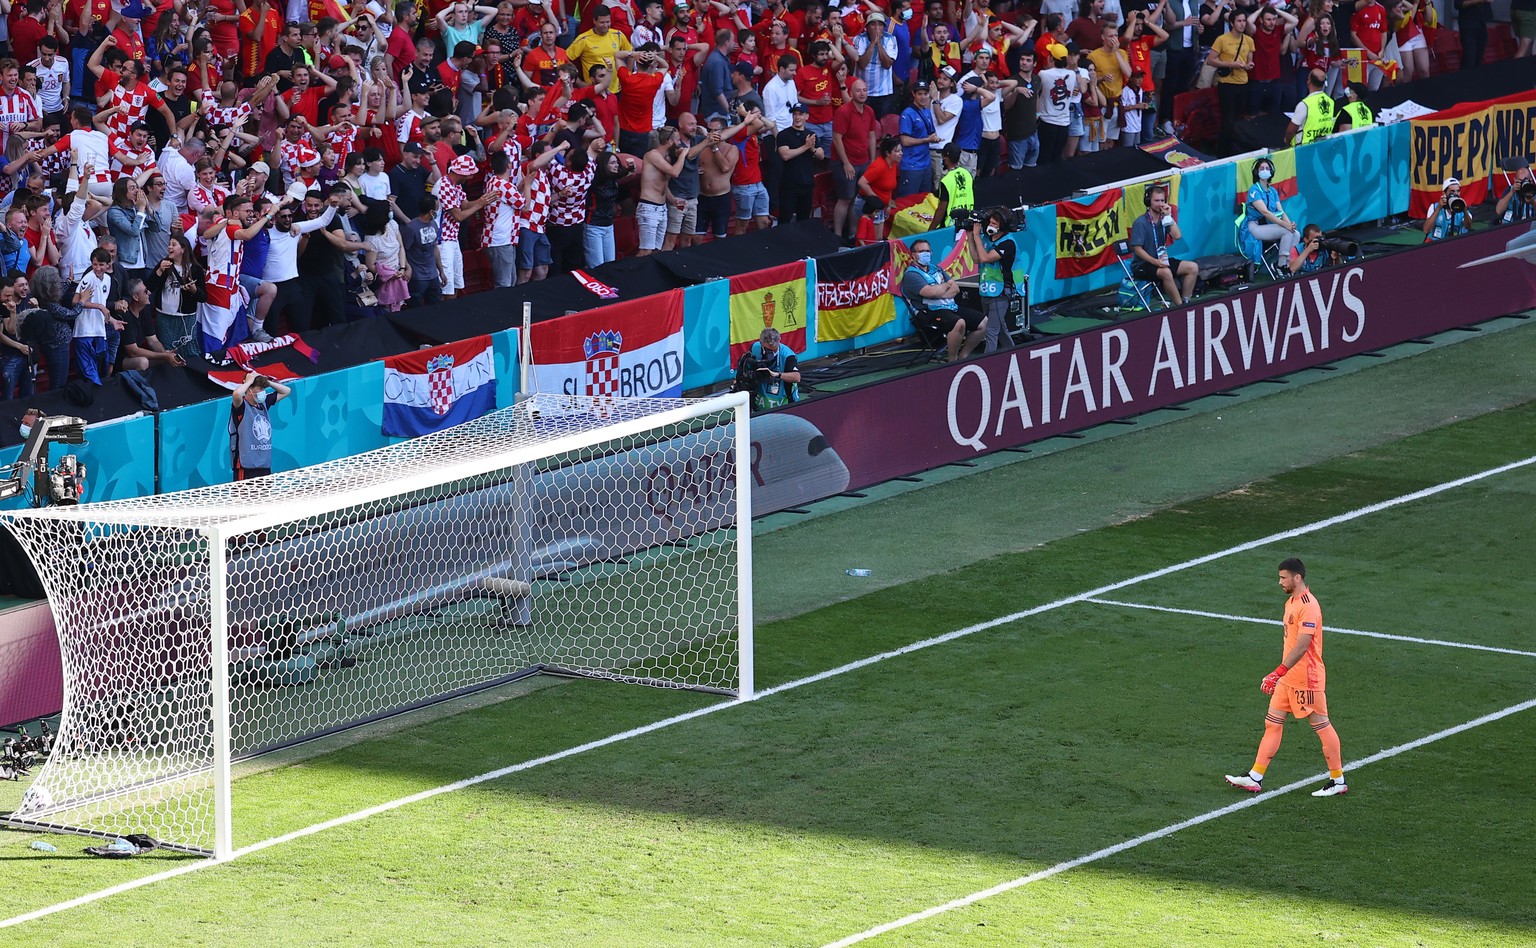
(1151, 235)
(932, 293)
(996, 254)
(1264, 220)
(1449, 216)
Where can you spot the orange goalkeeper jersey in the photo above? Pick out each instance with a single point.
(1303, 614)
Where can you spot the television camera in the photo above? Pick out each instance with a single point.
(63, 484)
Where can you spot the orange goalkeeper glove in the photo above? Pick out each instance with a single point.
(1272, 679)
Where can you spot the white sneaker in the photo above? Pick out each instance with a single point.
(1333, 788)
(1245, 782)
(1168, 128)
(260, 335)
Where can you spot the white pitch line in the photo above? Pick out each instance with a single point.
(779, 689)
(1250, 800)
(1331, 630)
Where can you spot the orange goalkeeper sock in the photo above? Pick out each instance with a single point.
(1274, 729)
(1331, 751)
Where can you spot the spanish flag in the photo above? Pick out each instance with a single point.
(776, 298)
(853, 292)
(1086, 233)
(1284, 180)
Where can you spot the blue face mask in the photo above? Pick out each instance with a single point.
(924, 257)
(906, 14)
(1265, 174)
(26, 431)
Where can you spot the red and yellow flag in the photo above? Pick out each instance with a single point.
(1283, 182)
(1466, 142)
(1086, 233)
(775, 298)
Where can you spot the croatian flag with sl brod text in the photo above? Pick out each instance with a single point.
(432, 389)
(627, 350)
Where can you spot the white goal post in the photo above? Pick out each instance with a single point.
(596, 537)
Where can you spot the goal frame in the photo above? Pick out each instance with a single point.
(218, 536)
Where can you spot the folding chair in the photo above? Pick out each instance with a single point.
(932, 342)
(1257, 252)
(1134, 293)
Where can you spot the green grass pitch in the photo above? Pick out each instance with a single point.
(823, 810)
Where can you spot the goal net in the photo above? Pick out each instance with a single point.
(566, 535)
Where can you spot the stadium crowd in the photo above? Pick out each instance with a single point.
(182, 176)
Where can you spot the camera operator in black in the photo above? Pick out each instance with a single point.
(996, 255)
(1519, 202)
(770, 371)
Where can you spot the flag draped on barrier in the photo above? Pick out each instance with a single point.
(1468, 142)
(853, 293)
(1086, 234)
(774, 298)
(629, 350)
(432, 389)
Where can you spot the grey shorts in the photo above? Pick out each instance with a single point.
(682, 220)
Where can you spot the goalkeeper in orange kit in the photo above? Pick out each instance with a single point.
(1297, 686)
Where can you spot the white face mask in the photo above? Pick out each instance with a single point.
(1265, 174)
(924, 257)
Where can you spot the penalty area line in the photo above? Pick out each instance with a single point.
(1086, 596)
(1116, 849)
(1326, 627)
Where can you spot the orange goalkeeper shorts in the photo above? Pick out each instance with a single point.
(1301, 702)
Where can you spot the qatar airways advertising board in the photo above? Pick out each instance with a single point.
(1055, 386)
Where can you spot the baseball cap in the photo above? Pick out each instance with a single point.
(262, 167)
(798, 107)
(920, 86)
(414, 148)
(1057, 51)
(1449, 183)
(949, 71)
(744, 69)
(875, 18)
(952, 151)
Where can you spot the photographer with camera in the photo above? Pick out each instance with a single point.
(1317, 251)
(996, 254)
(770, 372)
(1518, 203)
(1449, 216)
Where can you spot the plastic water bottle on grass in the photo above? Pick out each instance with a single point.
(859, 572)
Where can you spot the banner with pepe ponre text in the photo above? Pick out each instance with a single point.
(1468, 142)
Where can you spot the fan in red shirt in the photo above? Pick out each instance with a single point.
(814, 83)
(87, 13)
(304, 98)
(637, 100)
(1369, 24)
(127, 33)
(401, 48)
(260, 26)
(450, 69)
(542, 63)
(604, 103)
(29, 31)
